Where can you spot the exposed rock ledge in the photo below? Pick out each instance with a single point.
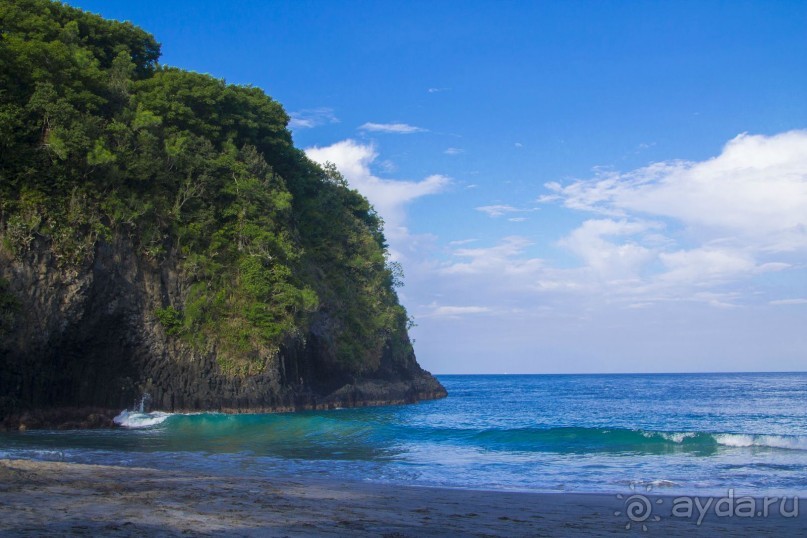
(366, 394)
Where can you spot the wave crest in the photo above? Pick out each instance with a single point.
(788, 442)
(137, 419)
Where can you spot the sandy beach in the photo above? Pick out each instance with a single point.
(64, 499)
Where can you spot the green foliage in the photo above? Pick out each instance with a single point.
(170, 318)
(98, 140)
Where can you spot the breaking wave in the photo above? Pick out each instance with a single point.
(139, 419)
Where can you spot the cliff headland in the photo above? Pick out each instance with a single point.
(161, 236)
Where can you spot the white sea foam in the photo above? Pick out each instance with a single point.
(661, 483)
(677, 437)
(734, 439)
(138, 419)
(772, 441)
(32, 454)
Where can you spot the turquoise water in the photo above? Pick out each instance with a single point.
(701, 433)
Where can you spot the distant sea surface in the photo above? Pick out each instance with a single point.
(673, 433)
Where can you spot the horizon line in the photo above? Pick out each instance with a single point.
(716, 372)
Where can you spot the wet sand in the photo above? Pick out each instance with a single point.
(65, 499)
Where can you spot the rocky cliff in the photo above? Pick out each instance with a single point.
(161, 237)
(88, 339)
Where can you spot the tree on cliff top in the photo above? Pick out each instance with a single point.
(98, 141)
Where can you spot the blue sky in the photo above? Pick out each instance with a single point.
(570, 186)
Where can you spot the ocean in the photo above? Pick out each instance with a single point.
(699, 434)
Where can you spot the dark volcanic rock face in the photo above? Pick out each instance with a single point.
(88, 338)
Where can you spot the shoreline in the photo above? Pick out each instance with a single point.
(69, 499)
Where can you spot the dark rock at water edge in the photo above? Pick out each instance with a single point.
(61, 418)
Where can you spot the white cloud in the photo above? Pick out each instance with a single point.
(705, 265)
(312, 117)
(453, 151)
(503, 258)
(754, 191)
(389, 197)
(456, 311)
(388, 166)
(697, 232)
(783, 302)
(394, 128)
(499, 210)
(687, 225)
(610, 259)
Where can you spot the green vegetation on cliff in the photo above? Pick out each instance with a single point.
(98, 141)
